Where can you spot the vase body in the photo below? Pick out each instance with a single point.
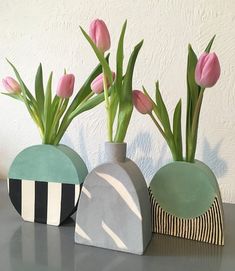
(186, 202)
(114, 206)
(44, 183)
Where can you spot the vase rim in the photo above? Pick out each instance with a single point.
(184, 162)
(115, 143)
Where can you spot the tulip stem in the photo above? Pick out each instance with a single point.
(194, 129)
(157, 124)
(168, 140)
(107, 105)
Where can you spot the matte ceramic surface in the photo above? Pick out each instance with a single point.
(186, 202)
(38, 247)
(44, 183)
(183, 189)
(49, 163)
(114, 207)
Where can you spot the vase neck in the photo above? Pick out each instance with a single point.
(115, 152)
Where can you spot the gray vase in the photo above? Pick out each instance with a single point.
(114, 206)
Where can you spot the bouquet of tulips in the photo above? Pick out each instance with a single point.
(52, 115)
(202, 73)
(117, 87)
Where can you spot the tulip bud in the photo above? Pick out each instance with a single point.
(142, 102)
(207, 70)
(11, 85)
(97, 85)
(65, 86)
(100, 35)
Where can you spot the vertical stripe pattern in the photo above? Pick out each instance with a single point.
(67, 200)
(27, 200)
(207, 228)
(54, 200)
(15, 193)
(43, 202)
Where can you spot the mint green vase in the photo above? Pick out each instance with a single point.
(44, 183)
(186, 202)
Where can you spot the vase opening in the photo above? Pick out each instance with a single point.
(115, 152)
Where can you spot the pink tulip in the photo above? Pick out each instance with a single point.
(97, 84)
(11, 85)
(142, 102)
(65, 86)
(100, 35)
(207, 70)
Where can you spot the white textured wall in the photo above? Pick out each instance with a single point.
(48, 31)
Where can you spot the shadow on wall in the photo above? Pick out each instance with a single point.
(213, 160)
(141, 151)
(81, 148)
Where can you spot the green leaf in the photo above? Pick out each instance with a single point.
(156, 109)
(192, 86)
(163, 114)
(100, 56)
(84, 91)
(208, 48)
(14, 96)
(29, 100)
(115, 92)
(24, 89)
(61, 107)
(55, 104)
(126, 105)
(89, 104)
(114, 101)
(39, 91)
(177, 131)
(119, 59)
(193, 91)
(47, 108)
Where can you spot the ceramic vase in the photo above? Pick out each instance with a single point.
(114, 206)
(186, 202)
(44, 183)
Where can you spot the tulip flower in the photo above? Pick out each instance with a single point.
(97, 84)
(65, 86)
(11, 85)
(207, 70)
(100, 35)
(142, 102)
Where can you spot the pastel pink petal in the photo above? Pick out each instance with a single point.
(207, 70)
(65, 86)
(97, 84)
(102, 36)
(11, 85)
(141, 102)
(6, 86)
(211, 71)
(99, 34)
(199, 67)
(92, 31)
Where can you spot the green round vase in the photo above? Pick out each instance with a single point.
(186, 202)
(44, 183)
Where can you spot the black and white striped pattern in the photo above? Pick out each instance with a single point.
(207, 228)
(50, 203)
